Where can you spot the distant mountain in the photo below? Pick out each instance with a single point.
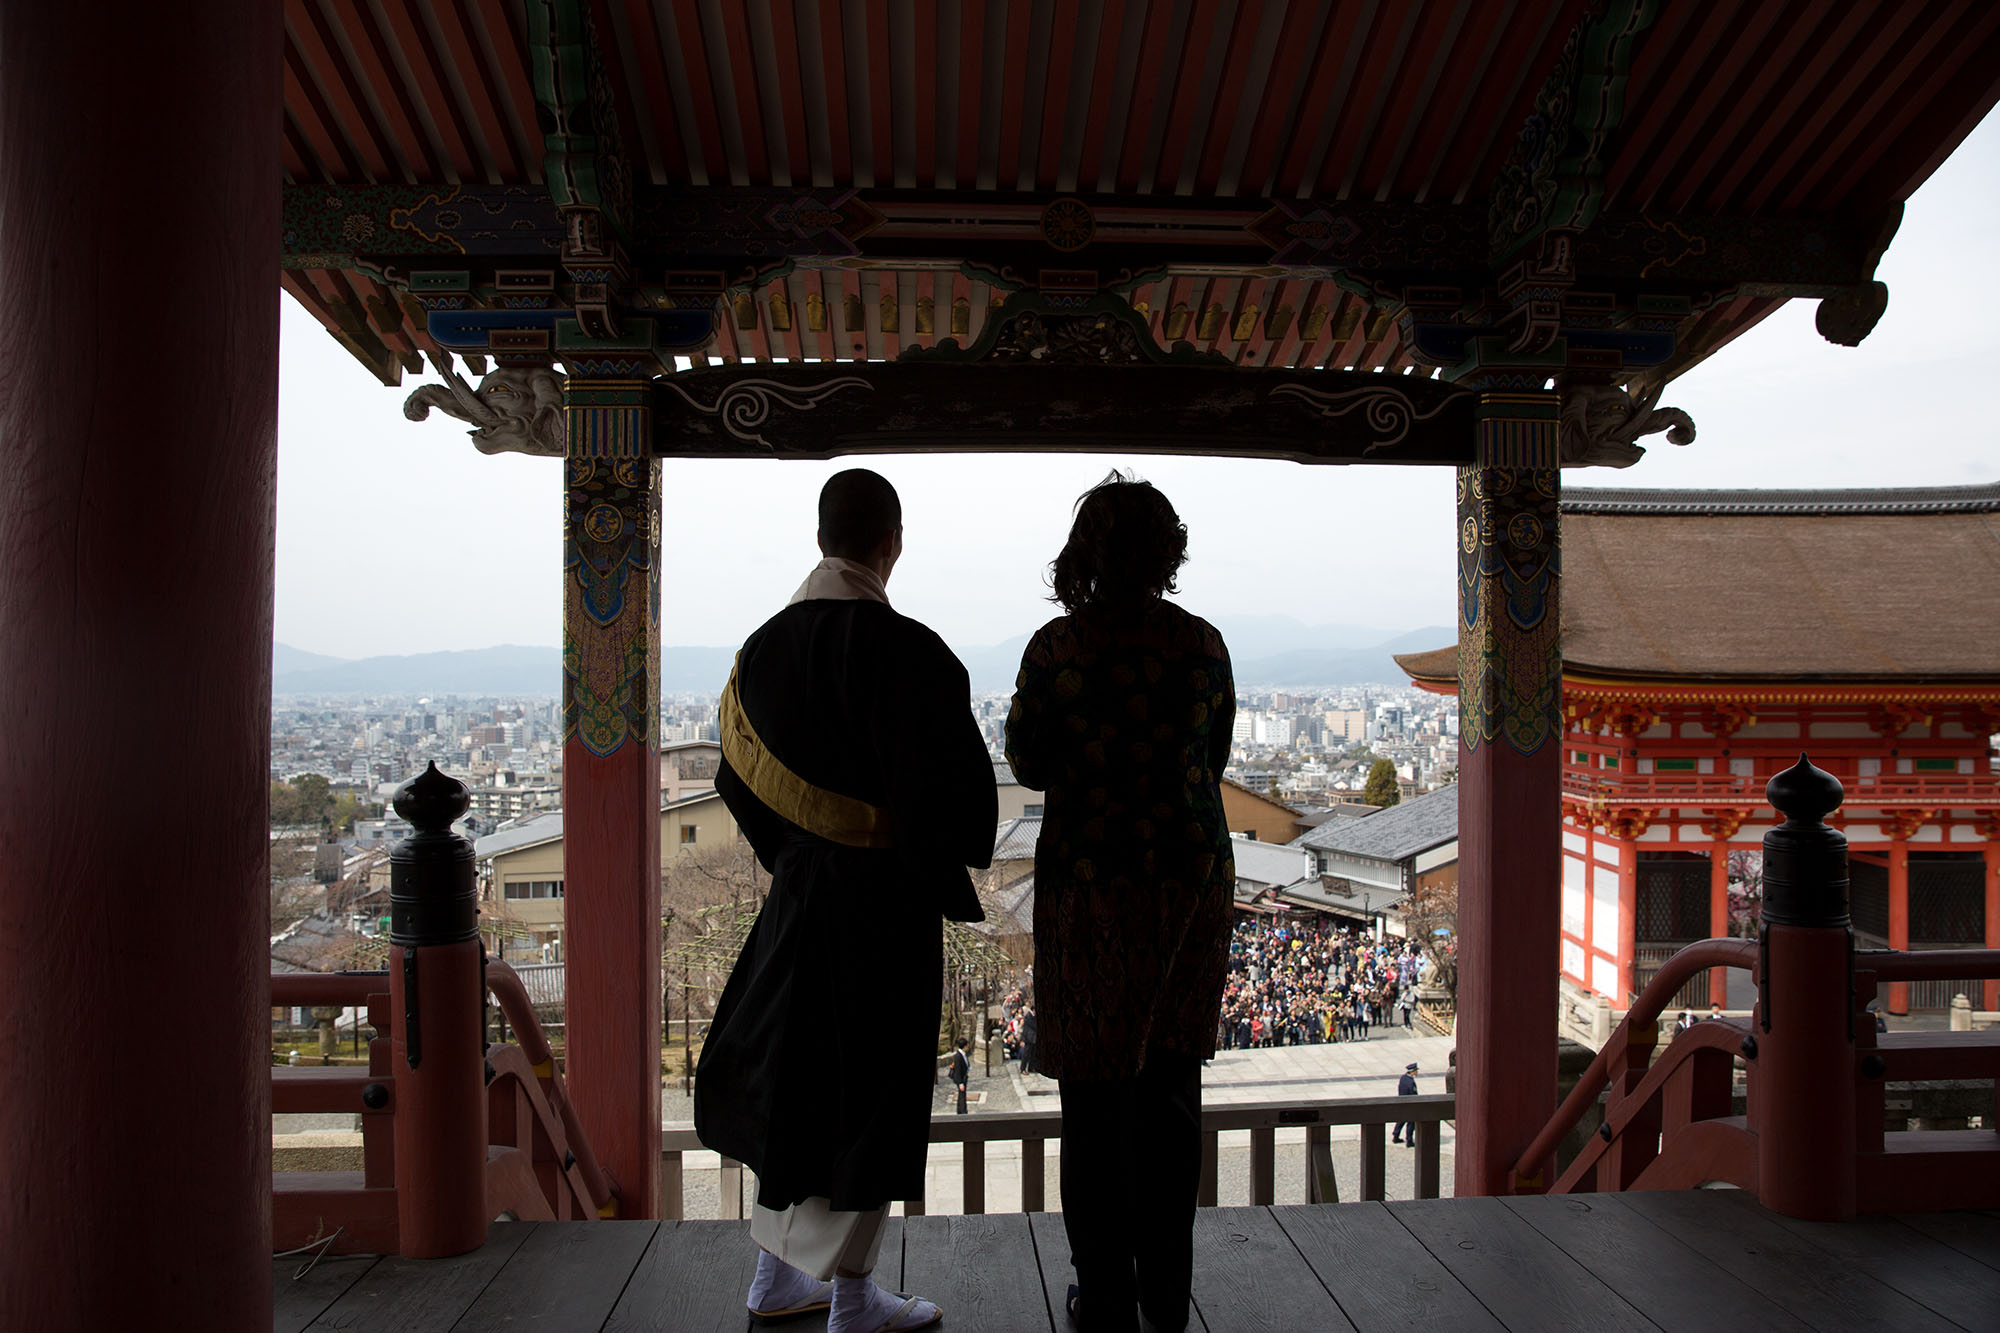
(1266, 650)
(1253, 637)
(507, 669)
(993, 668)
(1311, 666)
(286, 658)
(695, 670)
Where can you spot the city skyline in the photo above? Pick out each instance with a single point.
(369, 503)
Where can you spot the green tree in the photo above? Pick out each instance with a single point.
(306, 799)
(1381, 789)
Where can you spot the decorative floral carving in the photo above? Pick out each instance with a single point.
(1627, 821)
(1067, 225)
(1631, 717)
(1722, 822)
(1387, 409)
(1600, 423)
(1725, 720)
(1903, 824)
(746, 404)
(1895, 719)
(515, 409)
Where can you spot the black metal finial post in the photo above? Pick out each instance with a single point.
(1805, 862)
(433, 898)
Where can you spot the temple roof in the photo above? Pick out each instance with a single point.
(1897, 585)
(1818, 502)
(1358, 137)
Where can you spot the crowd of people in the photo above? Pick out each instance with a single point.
(1017, 1025)
(1296, 981)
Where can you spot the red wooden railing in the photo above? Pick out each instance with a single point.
(538, 1164)
(1813, 1141)
(455, 1131)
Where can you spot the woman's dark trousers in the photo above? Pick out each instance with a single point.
(1131, 1164)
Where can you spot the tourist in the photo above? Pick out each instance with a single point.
(1122, 717)
(851, 763)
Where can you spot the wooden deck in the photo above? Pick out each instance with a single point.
(1699, 1260)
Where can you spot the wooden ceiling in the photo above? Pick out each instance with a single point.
(1744, 109)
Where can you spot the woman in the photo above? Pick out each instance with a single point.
(1122, 716)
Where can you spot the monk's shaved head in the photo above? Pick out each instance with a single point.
(858, 509)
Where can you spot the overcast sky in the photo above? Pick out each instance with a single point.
(399, 537)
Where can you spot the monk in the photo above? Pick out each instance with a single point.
(851, 761)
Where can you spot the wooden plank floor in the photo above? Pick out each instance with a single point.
(1699, 1260)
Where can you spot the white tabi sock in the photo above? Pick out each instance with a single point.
(779, 1286)
(859, 1306)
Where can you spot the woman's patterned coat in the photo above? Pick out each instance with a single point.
(1126, 726)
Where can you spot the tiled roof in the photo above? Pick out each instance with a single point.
(1862, 586)
(1268, 863)
(1817, 501)
(1016, 838)
(540, 829)
(1416, 825)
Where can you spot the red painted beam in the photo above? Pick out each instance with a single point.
(510, 63)
(748, 107)
(392, 94)
(1063, 52)
(833, 70)
(925, 111)
(328, 69)
(971, 91)
(881, 87)
(1103, 76)
(708, 112)
(484, 92)
(791, 93)
(1155, 79)
(136, 590)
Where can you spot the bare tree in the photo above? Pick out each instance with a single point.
(708, 897)
(1430, 914)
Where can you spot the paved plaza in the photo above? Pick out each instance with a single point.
(1273, 1074)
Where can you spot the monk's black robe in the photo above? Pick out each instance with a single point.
(852, 764)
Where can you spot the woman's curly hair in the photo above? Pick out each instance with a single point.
(1126, 543)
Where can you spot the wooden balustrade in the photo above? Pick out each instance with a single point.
(1813, 1143)
(1261, 1120)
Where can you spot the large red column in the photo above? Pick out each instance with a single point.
(139, 180)
(1899, 918)
(1628, 925)
(1509, 801)
(611, 782)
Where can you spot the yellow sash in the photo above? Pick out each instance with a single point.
(837, 818)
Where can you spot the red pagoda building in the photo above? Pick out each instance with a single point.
(1711, 636)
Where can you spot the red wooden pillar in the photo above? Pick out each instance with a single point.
(1991, 851)
(139, 180)
(1718, 918)
(1899, 918)
(1510, 816)
(1628, 924)
(611, 781)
